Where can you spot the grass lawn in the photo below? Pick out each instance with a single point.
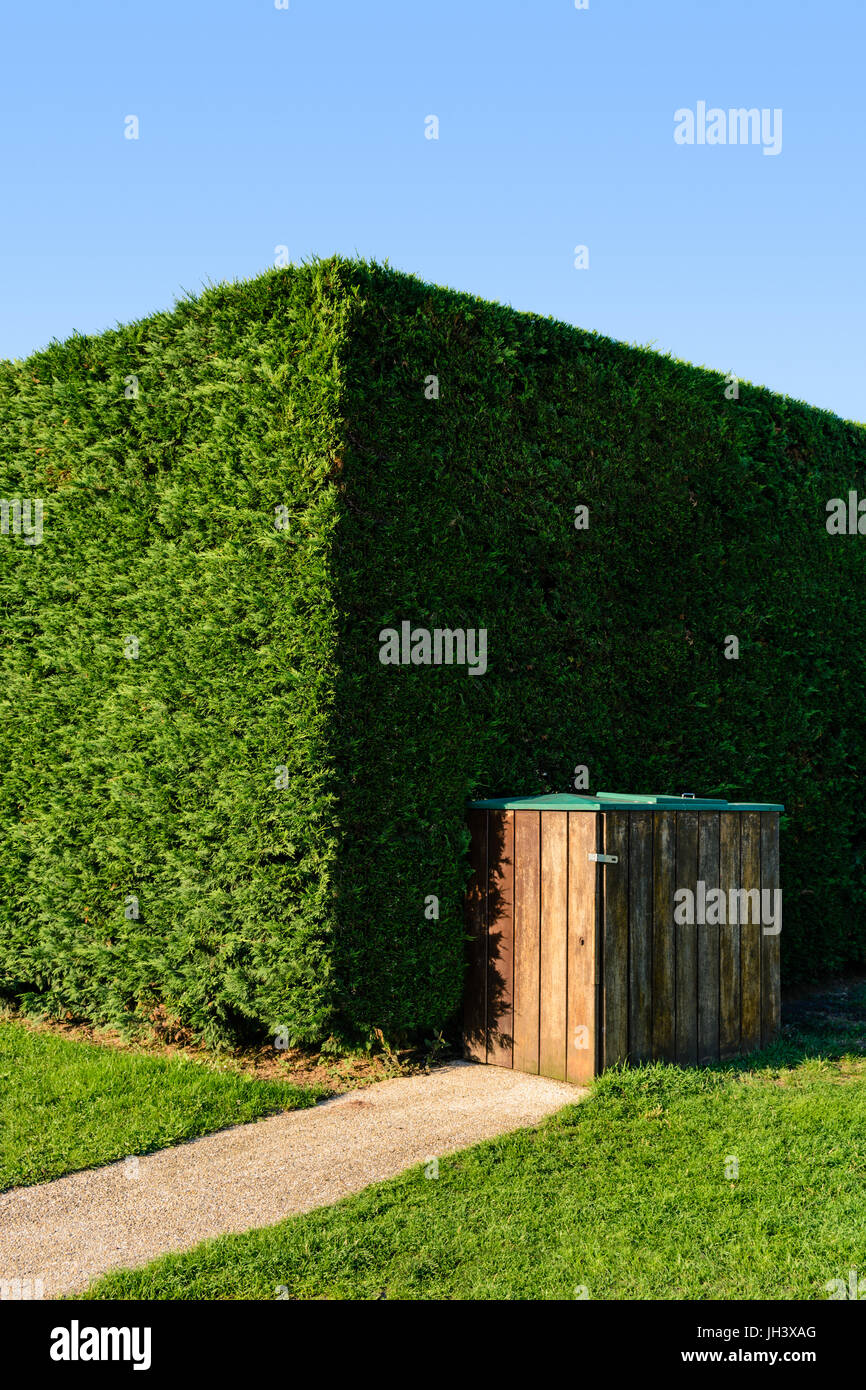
(629, 1195)
(66, 1104)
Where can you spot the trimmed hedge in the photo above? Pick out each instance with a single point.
(306, 905)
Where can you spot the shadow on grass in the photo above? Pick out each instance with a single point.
(828, 1023)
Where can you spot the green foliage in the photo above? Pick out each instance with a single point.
(67, 1105)
(627, 1195)
(304, 907)
(155, 777)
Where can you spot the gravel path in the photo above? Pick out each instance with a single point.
(68, 1232)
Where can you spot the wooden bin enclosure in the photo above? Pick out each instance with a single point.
(576, 963)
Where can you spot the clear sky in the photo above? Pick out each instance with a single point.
(305, 127)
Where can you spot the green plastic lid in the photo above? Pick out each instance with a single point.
(617, 801)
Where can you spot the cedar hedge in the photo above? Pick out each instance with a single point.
(243, 826)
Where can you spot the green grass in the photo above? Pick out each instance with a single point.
(66, 1105)
(625, 1195)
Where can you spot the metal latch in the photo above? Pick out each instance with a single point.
(604, 858)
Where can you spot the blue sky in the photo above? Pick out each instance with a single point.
(305, 127)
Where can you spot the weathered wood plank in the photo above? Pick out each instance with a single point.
(500, 938)
(709, 832)
(615, 1011)
(771, 1003)
(554, 944)
(750, 930)
(664, 935)
(474, 1011)
(729, 938)
(582, 971)
(686, 935)
(527, 871)
(640, 912)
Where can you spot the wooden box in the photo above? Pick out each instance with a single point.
(666, 948)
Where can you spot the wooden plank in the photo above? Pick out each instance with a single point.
(527, 868)
(500, 938)
(709, 833)
(686, 947)
(615, 972)
(640, 912)
(664, 935)
(553, 966)
(729, 941)
(771, 1002)
(475, 990)
(582, 972)
(750, 932)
